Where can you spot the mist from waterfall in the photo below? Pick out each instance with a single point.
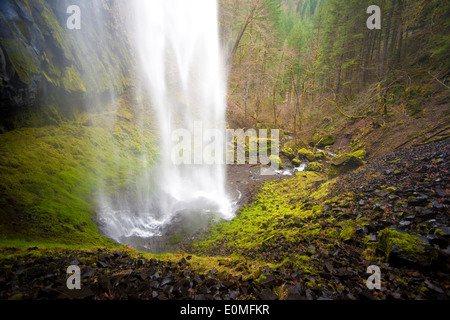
(180, 66)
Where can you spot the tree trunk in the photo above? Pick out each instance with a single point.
(386, 40)
(274, 103)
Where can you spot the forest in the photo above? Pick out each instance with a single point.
(294, 61)
(357, 92)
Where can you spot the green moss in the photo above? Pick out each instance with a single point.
(24, 62)
(49, 177)
(296, 162)
(47, 20)
(323, 140)
(277, 161)
(360, 154)
(288, 153)
(356, 144)
(314, 166)
(17, 296)
(271, 219)
(72, 80)
(347, 233)
(328, 140)
(176, 239)
(296, 144)
(319, 155)
(408, 244)
(346, 162)
(268, 143)
(306, 154)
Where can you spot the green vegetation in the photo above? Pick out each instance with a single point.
(296, 162)
(405, 245)
(22, 60)
(408, 244)
(309, 67)
(306, 154)
(276, 160)
(330, 75)
(346, 162)
(176, 239)
(272, 219)
(50, 175)
(323, 140)
(313, 166)
(288, 153)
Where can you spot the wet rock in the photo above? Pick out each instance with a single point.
(234, 294)
(182, 262)
(267, 295)
(399, 260)
(420, 200)
(85, 293)
(433, 287)
(295, 293)
(344, 163)
(166, 281)
(269, 281)
(211, 282)
(88, 273)
(405, 223)
(47, 293)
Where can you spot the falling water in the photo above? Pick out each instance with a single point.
(180, 66)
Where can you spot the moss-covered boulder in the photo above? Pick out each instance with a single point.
(296, 144)
(360, 154)
(288, 153)
(346, 162)
(406, 244)
(320, 140)
(320, 155)
(276, 161)
(305, 154)
(401, 249)
(296, 163)
(313, 166)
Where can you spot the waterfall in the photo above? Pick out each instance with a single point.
(180, 66)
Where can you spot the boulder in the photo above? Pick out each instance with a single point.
(305, 154)
(296, 144)
(313, 166)
(288, 153)
(320, 140)
(346, 162)
(276, 160)
(296, 163)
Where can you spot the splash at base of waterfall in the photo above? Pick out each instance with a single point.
(125, 223)
(181, 68)
(141, 230)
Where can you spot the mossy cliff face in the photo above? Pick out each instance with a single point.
(52, 176)
(44, 63)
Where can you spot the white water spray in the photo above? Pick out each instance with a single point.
(177, 47)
